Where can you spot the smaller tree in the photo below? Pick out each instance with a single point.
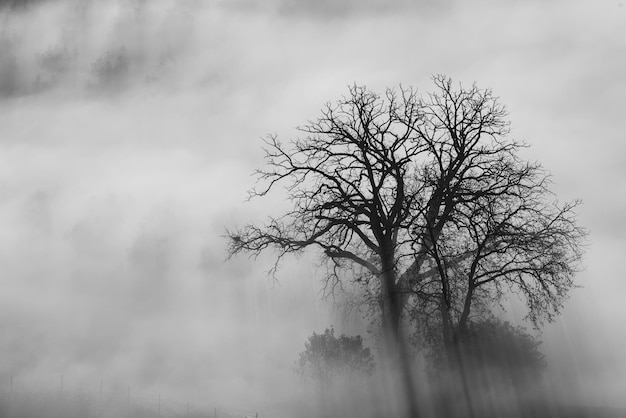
(328, 359)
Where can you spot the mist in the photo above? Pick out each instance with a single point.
(128, 134)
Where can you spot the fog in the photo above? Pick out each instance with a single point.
(128, 133)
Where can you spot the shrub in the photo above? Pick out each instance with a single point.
(494, 351)
(328, 358)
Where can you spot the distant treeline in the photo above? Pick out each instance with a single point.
(19, 4)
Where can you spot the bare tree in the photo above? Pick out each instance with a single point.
(381, 183)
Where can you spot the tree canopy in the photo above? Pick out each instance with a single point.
(423, 201)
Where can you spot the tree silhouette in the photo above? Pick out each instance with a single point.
(404, 193)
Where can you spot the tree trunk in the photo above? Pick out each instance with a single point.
(394, 341)
(452, 343)
(462, 327)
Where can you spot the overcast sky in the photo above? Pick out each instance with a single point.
(128, 132)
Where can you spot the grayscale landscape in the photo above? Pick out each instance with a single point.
(299, 208)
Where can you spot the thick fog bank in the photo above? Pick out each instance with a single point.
(128, 133)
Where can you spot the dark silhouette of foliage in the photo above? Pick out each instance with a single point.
(493, 347)
(493, 357)
(498, 345)
(328, 358)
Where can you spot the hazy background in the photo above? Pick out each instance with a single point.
(128, 132)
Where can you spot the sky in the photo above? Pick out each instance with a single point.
(129, 131)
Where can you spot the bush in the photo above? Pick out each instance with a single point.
(328, 358)
(493, 349)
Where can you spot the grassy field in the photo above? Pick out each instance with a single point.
(441, 396)
(39, 405)
(84, 405)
